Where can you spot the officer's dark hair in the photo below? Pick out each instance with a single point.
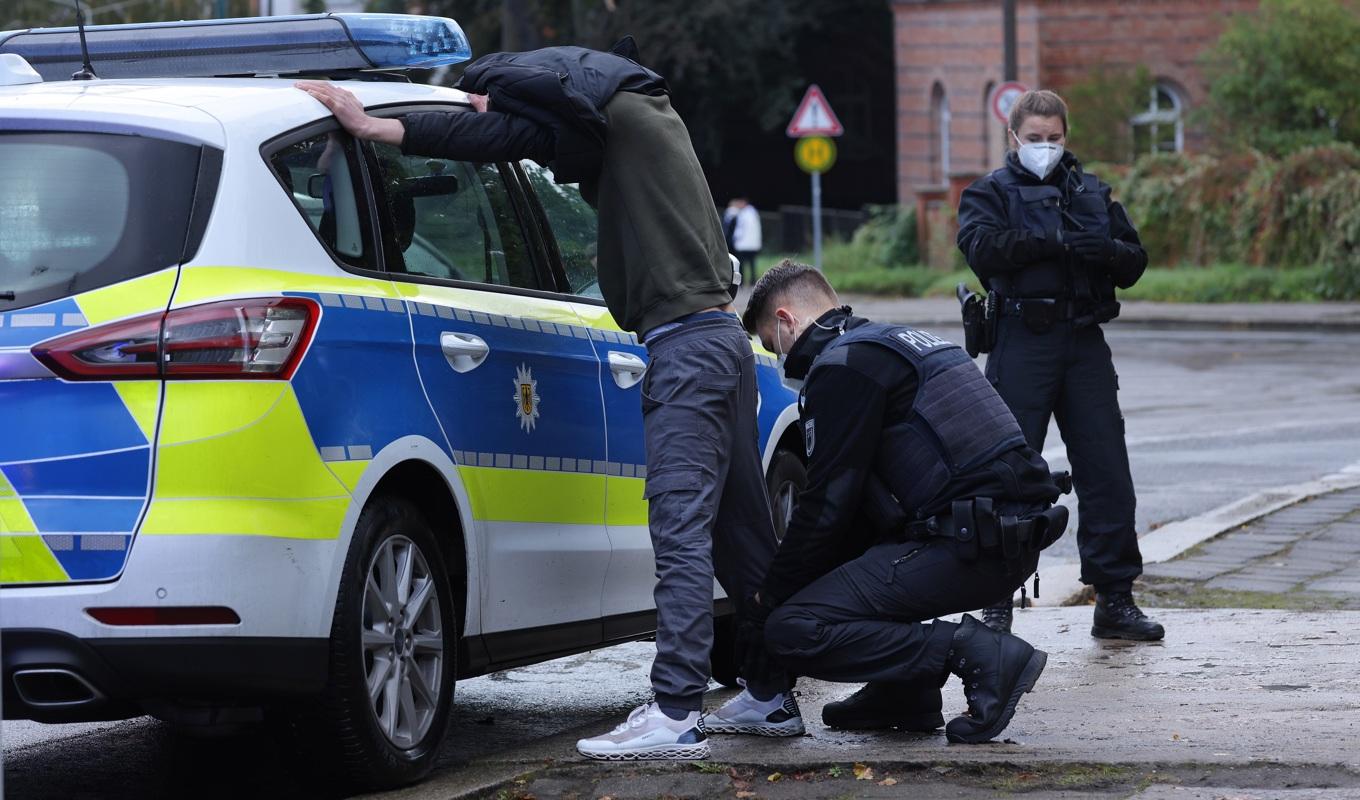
(1037, 103)
(786, 278)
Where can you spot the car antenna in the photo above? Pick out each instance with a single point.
(86, 71)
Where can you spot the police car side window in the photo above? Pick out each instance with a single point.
(451, 220)
(573, 224)
(318, 173)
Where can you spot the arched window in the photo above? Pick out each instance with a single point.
(1160, 129)
(939, 134)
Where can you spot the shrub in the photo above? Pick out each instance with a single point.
(889, 236)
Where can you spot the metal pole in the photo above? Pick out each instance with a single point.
(817, 220)
(1008, 40)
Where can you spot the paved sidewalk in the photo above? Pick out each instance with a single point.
(1305, 556)
(1228, 691)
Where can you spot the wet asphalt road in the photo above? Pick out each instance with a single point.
(1212, 416)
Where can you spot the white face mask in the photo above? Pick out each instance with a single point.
(1039, 157)
(791, 384)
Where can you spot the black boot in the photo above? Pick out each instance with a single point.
(998, 616)
(882, 704)
(996, 668)
(1118, 617)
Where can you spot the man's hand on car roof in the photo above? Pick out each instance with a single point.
(349, 112)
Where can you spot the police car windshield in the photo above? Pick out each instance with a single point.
(84, 210)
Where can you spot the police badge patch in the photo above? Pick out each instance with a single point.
(526, 398)
(810, 435)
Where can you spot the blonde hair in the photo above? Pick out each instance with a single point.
(1037, 103)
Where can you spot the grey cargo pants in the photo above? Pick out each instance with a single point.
(708, 511)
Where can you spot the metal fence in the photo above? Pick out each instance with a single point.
(789, 230)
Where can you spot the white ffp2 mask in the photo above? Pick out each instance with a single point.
(1039, 157)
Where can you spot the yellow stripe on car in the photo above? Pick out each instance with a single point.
(523, 495)
(237, 458)
(26, 559)
(199, 284)
(129, 298)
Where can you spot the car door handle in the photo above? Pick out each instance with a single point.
(463, 351)
(628, 369)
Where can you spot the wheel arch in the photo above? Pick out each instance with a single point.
(787, 434)
(417, 469)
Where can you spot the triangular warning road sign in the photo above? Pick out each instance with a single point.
(814, 116)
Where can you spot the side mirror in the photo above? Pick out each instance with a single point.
(316, 186)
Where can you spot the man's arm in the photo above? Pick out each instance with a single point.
(484, 136)
(989, 245)
(846, 409)
(491, 136)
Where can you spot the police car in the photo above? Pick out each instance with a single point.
(295, 422)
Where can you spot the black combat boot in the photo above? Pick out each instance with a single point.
(884, 704)
(998, 616)
(1118, 617)
(996, 668)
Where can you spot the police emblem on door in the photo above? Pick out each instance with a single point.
(526, 398)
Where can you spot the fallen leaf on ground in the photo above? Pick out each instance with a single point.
(774, 777)
(864, 772)
(888, 782)
(744, 795)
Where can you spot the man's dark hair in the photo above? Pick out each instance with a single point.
(778, 283)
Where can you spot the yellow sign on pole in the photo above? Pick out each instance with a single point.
(814, 154)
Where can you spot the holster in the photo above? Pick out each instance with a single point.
(979, 320)
(976, 530)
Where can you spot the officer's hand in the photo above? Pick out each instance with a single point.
(1092, 246)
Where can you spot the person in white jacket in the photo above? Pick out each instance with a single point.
(741, 223)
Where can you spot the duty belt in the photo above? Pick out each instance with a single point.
(1062, 308)
(976, 528)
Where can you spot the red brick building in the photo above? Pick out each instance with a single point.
(949, 56)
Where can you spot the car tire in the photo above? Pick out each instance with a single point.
(784, 480)
(390, 737)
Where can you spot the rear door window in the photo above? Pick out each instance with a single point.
(83, 210)
(320, 174)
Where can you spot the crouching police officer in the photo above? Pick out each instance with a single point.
(922, 500)
(1051, 245)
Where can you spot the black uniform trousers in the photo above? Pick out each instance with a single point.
(1067, 372)
(865, 620)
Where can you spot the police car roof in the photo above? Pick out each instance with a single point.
(203, 109)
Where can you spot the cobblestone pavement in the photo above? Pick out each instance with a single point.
(1306, 556)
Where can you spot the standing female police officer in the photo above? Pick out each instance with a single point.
(1047, 238)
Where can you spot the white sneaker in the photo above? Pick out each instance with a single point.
(649, 734)
(778, 716)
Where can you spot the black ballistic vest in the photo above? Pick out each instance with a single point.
(957, 423)
(1074, 202)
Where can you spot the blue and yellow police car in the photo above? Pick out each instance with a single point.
(294, 422)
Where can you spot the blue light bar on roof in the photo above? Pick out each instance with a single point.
(310, 44)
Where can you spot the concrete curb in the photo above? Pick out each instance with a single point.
(1284, 317)
(1167, 542)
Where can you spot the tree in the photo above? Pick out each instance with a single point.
(1285, 78)
(1101, 106)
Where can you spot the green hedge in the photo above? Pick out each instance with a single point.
(1302, 210)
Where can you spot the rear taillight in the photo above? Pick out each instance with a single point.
(254, 338)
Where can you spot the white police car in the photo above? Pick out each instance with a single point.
(293, 421)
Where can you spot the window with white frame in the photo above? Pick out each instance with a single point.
(1160, 128)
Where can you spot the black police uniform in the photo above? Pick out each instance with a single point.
(1055, 250)
(891, 412)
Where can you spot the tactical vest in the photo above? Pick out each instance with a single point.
(957, 423)
(1042, 207)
